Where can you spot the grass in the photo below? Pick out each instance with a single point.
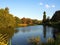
(50, 41)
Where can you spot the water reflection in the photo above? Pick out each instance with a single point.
(24, 33)
(25, 29)
(55, 32)
(6, 35)
(44, 31)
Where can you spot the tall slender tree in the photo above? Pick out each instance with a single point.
(44, 17)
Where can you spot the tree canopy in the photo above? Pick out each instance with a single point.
(8, 20)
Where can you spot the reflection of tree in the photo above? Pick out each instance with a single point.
(44, 30)
(5, 35)
(55, 31)
(25, 29)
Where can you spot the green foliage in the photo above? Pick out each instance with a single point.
(18, 21)
(6, 19)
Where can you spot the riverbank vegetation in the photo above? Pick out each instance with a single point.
(6, 35)
(50, 41)
(54, 22)
(7, 20)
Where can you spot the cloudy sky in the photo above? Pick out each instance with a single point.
(31, 8)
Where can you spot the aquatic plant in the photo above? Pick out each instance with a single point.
(34, 40)
(50, 40)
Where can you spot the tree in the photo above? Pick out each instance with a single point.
(44, 17)
(28, 21)
(18, 20)
(6, 19)
(6, 10)
(56, 16)
(48, 19)
(24, 20)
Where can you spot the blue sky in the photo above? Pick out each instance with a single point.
(31, 8)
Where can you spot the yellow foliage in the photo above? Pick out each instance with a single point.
(50, 40)
(34, 40)
(23, 25)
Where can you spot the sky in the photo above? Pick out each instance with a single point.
(31, 8)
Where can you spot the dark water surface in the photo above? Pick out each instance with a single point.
(24, 33)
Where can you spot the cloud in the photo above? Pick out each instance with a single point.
(41, 3)
(47, 6)
(53, 6)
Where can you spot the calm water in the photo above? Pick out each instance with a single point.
(24, 33)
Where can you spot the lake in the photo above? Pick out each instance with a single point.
(21, 36)
(24, 33)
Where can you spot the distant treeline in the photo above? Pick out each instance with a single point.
(8, 20)
(54, 21)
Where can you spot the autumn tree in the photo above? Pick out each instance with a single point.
(6, 19)
(18, 20)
